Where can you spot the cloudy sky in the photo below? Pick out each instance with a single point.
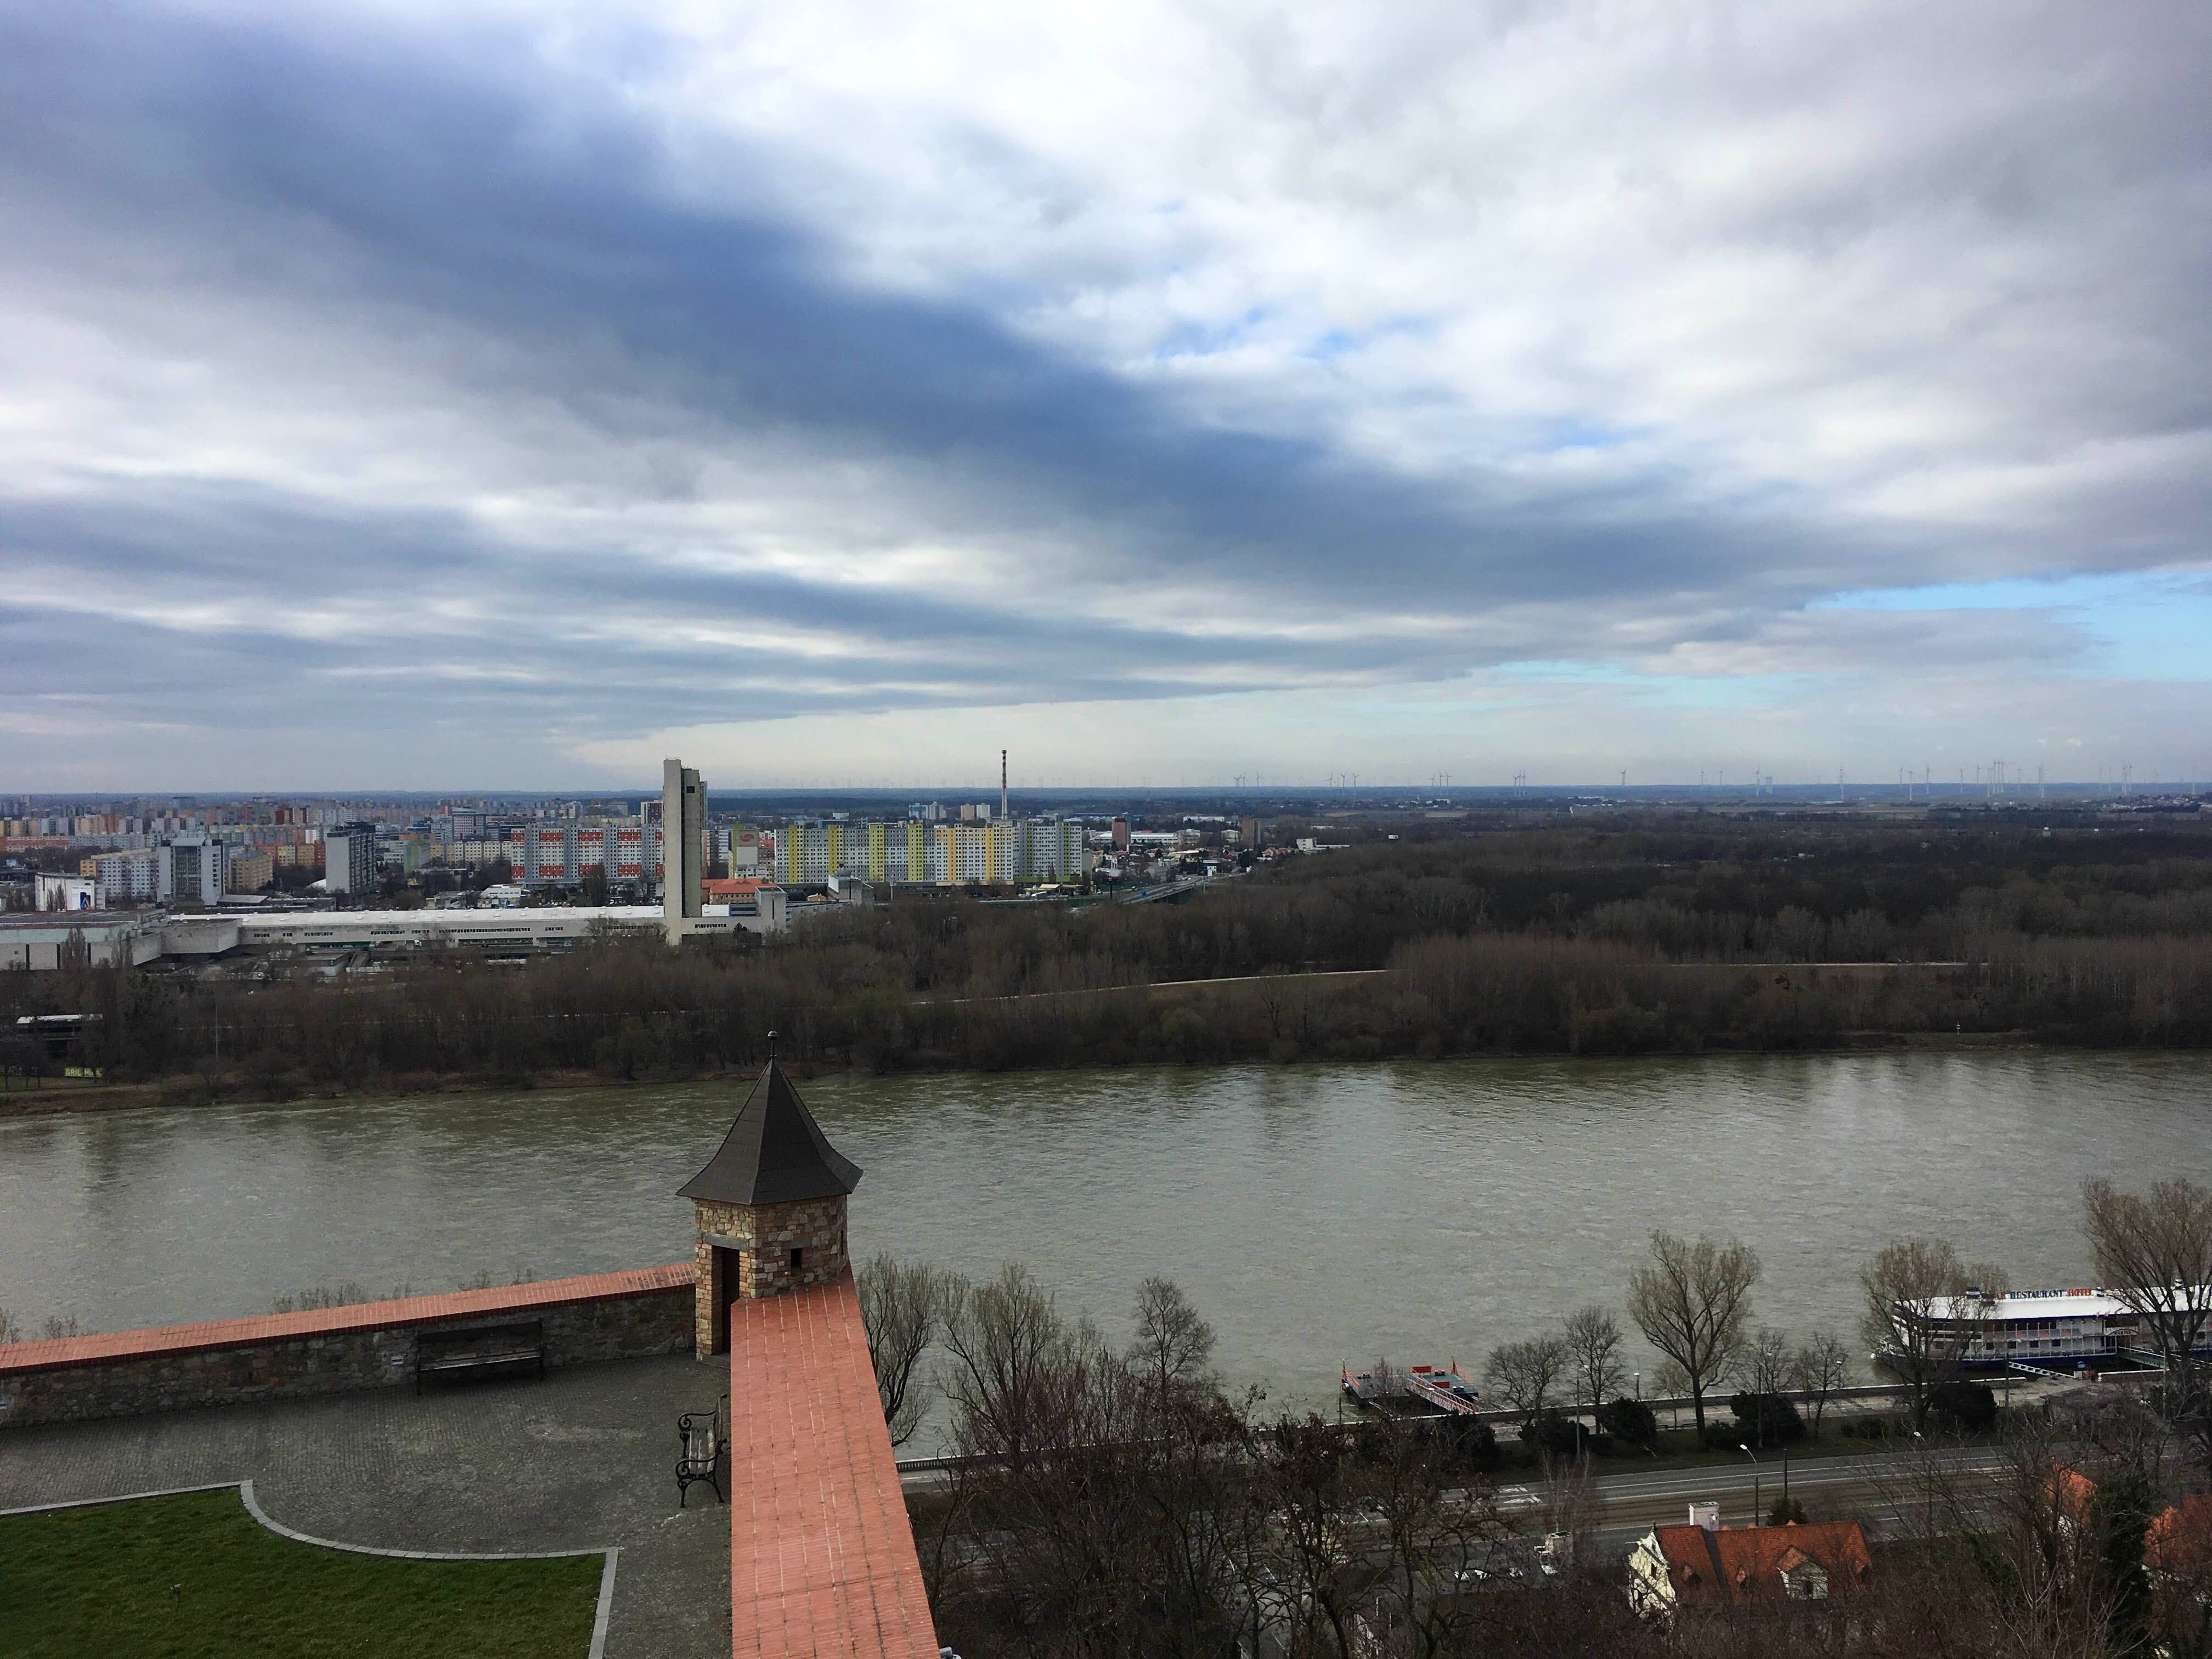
(425, 394)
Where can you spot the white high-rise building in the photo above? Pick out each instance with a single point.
(683, 844)
(350, 860)
(190, 869)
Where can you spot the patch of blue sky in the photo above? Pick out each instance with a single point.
(1713, 692)
(1570, 671)
(1581, 435)
(1203, 339)
(1342, 342)
(2139, 625)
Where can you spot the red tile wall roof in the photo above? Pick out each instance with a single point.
(2180, 1540)
(822, 1558)
(1744, 1564)
(158, 1341)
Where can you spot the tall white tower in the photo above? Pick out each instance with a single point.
(683, 844)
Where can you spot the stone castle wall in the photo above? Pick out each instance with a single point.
(768, 1234)
(332, 1350)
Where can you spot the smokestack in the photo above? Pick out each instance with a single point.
(1002, 785)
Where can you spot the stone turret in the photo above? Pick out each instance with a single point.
(769, 1206)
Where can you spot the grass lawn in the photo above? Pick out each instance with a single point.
(195, 1575)
(1679, 1448)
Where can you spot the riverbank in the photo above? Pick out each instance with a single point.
(62, 1095)
(1321, 1215)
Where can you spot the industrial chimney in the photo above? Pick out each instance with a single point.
(1002, 786)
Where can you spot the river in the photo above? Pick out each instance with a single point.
(1317, 1214)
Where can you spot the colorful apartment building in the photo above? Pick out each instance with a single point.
(947, 853)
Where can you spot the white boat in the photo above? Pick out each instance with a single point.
(2055, 1330)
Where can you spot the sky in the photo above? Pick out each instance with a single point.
(486, 394)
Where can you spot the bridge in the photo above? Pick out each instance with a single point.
(1166, 892)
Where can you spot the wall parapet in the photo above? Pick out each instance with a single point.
(328, 1349)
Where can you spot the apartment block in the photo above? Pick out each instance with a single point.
(957, 853)
(250, 869)
(189, 870)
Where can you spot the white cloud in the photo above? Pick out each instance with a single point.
(1112, 352)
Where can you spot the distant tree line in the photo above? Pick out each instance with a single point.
(1547, 942)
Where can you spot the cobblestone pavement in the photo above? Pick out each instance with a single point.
(582, 1459)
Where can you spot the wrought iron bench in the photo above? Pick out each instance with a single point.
(705, 1439)
(481, 1347)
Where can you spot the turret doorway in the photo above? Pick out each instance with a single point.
(727, 1279)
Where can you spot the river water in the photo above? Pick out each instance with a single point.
(1317, 1214)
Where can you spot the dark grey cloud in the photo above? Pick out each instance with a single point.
(624, 401)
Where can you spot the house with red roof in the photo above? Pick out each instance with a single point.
(1705, 1565)
(2179, 1543)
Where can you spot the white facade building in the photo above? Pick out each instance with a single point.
(64, 892)
(350, 860)
(191, 869)
(126, 878)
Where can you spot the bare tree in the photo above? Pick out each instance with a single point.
(1429, 1544)
(2153, 1252)
(1690, 1303)
(1010, 1349)
(2009, 1548)
(1593, 1339)
(1822, 1367)
(901, 1305)
(1767, 1361)
(1173, 1343)
(1526, 1373)
(1924, 1311)
(1567, 1501)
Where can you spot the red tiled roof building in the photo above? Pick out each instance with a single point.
(1712, 1566)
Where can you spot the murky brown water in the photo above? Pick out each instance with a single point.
(1317, 1214)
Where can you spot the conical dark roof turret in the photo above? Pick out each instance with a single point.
(774, 1153)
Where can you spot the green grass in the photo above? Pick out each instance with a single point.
(1679, 1448)
(194, 1576)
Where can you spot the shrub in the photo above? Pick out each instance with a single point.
(1630, 1421)
(1766, 1419)
(1555, 1433)
(1467, 1443)
(1963, 1407)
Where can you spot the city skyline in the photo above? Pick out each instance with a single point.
(398, 396)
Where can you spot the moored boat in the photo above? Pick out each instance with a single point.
(2050, 1330)
(1420, 1389)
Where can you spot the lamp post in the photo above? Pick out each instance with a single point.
(1753, 1456)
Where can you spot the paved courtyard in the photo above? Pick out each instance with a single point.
(583, 1458)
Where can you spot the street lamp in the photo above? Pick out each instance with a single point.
(1753, 1456)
